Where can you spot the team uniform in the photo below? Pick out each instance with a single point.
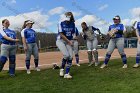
(68, 31)
(76, 46)
(8, 50)
(92, 44)
(116, 41)
(30, 36)
(137, 27)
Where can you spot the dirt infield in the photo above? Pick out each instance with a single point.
(48, 58)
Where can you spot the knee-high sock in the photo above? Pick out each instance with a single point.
(36, 62)
(95, 55)
(69, 63)
(3, 60)
(124, 59)
(12, 64)
(64, 61)
(90, 56)
(107, 58)
(77, 58)
(138, 58)
(28, 64)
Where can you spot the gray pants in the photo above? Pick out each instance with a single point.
(117, 42)
(66, 49)
(92, 44)
(8, 50)
(75, 47)
(32, 50)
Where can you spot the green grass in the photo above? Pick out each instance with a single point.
(86, 79)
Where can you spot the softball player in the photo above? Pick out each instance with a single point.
(117, 40)
(137, 27)
(76, 46)
(92, 42)
(30, 46)
(66, 30)
(8, 47)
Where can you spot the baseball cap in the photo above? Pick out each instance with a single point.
(29, 22)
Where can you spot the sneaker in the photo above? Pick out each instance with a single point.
(78, 65)
(37, 69)
(124, 66)
(28, 71)
(90, 64)
(61, 72)
(12, 75)
(96, 64)
(103, 66)
(67, 76)
(136, 65)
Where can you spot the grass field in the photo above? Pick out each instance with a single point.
(86, 79)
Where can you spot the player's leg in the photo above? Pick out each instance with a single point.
(95, 52)
(120, 46)
(137, 56)
(12, 60)
(36, 56)
(62, 47)
(69, 62)
(76, 52)
(110, 49)
(4, 55)
(90, 56)
(28, 57)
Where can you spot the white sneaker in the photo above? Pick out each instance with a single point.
(37, 69)
(78, 65)
(96, 64)
(90, 64)
(68, 76)
(103, 66)
(28, 71)
(124, 66)
(61, 72)
(136, 65)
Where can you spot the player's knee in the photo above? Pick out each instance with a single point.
(94, 50)
(3, 59)
(138, 53)
(122, 53)
(76, 55)
(89, 51)
(109, 53)
(66, 56)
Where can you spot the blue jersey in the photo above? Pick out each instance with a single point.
(76, 32)
(29, 34)
(67, 29)
(9, 33)
(119, 27)
(137, 26)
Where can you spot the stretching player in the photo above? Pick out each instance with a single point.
(66, 30)
(30, 46)
(92, 42)
(116, 40)
(8, 47)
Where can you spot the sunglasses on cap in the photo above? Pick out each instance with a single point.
(116, 18)
(29, 22)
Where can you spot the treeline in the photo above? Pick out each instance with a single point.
(49, 39)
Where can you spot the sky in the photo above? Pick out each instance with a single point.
(48, 13)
